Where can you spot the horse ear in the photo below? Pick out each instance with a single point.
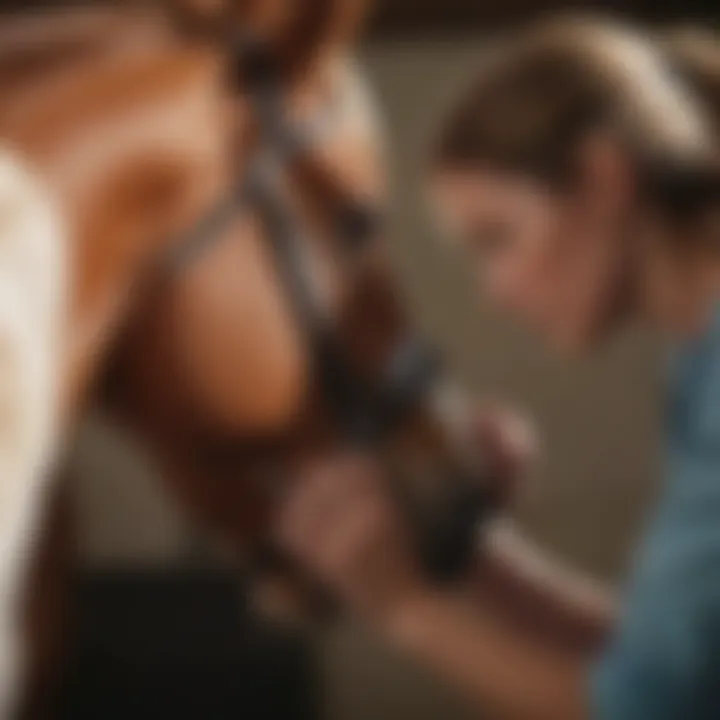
(300, 32)
(197, 15)
(322, 28)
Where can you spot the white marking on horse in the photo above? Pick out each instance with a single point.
(33, 288)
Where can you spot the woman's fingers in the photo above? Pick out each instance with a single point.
(320, 498)
(509, 442)
(340, 522)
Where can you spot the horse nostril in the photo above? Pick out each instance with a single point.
(357, 223)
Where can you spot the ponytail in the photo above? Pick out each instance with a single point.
(692, 55)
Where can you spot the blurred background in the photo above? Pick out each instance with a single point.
(595, 418)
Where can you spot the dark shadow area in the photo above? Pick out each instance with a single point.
(181, 644)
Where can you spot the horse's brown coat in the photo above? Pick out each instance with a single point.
(134, 131)
(137, 134)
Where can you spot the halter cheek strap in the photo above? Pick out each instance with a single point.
(365, 410)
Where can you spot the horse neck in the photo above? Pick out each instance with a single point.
(133, 147)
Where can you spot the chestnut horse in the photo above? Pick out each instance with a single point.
(219, 168)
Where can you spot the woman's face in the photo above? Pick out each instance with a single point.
(550, 258)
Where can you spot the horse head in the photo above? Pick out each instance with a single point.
(273, 327)
(220, 170)
(223, 187)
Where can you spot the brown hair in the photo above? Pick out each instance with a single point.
(542, 91)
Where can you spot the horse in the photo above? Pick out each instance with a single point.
(220, 171)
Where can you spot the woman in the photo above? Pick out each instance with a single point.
(581, 171)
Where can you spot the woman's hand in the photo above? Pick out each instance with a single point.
(508, 442)
(341, 522)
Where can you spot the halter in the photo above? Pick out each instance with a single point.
(366, 411)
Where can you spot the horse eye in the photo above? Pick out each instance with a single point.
(357, 223)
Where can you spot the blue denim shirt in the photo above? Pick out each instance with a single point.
(664, 663)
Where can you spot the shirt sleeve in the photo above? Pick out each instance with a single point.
(652, 671)
(662, 663)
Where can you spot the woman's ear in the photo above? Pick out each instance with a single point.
(605, 178)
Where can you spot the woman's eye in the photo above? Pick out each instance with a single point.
(492, 239)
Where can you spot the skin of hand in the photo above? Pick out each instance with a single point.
(340, 522)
